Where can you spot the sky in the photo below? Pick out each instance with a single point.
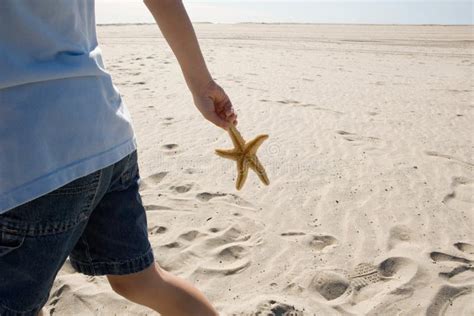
(315, 11)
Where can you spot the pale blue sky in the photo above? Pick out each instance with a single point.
(335, 11)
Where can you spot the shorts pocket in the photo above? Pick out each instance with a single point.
(129, 174)
(9, 242)
(79, 186)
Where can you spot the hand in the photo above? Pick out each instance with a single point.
(215, 105)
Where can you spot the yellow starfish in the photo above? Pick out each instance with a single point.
(246, 156)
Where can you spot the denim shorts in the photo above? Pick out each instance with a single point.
(98, 221)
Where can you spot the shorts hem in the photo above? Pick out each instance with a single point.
(5, 311)
(115, 268)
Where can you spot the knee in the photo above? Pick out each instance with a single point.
(131, 285)
(127, 288)
(120, 287)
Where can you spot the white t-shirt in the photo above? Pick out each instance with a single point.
(61, 117)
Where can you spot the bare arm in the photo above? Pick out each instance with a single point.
(209, 98)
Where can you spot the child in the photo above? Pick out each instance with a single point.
(68, 162)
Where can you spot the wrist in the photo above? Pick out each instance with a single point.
(199, 82)
(200, 86)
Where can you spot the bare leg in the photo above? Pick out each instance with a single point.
(162, 292)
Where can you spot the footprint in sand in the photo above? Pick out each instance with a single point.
(344, 133)
(339, 287)
(318, 108)
(185, 239)
(56, 296)
(168, 120)
(206, 196)
(451, 158)
(463, 272)
(465, 247)
(399, 234)
(171, 149)
(290, 102)
(215, 251)
(331, 286)
(182, 188)
(275, 308)
(299, 104)
(368, 143)
(452, 300)
(316, 242)
(351, 137)
(170, 146)
(364, 274)
(154, 207)
(157, 230)
(190, 235)
(152, 180)
(191, 170)
(461, 197)
(226, 197)
(156, 178)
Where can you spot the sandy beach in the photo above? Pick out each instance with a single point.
(370, 210)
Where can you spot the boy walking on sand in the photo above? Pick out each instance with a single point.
(68, 162)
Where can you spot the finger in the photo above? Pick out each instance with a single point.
(224, 112)
(230, 112)
(216, 120)
(223, 116)
(231, 118)
(219, 107)
(227, 105)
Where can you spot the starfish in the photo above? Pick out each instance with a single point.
(245, 154)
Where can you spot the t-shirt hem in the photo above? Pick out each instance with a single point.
(63, 176)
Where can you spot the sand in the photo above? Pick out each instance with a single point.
(370, 210)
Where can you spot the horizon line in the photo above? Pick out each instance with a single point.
(290, 23)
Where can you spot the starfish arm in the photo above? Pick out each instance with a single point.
(245, 156)
(228, 153)
(252, 146)
(243, 170)
(237, 139)
(256, 166)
